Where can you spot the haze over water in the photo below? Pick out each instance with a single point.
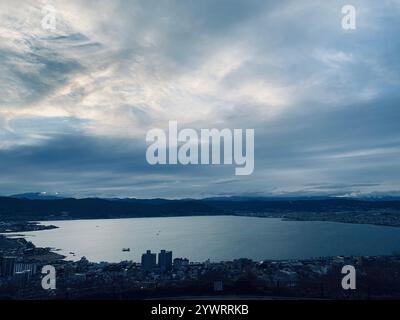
(215, 237)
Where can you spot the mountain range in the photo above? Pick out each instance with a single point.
(36, 207)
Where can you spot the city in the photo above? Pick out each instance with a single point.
(162, 276)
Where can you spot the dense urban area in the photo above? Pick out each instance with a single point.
(164, 276)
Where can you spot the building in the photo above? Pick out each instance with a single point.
(22, 278)
(218, 286)
(78, 277)
(165, 260)
(22, 267)
(180, 263)
(149, 261)
(7, 266)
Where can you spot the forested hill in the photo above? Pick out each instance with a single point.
(94, 208)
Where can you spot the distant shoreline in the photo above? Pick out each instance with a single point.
(11, 227)
(16, 215)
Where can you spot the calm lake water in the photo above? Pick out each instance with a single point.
(215, 238)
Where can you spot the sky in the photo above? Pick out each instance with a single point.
(76, 102)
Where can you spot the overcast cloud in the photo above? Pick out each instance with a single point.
(76, 103)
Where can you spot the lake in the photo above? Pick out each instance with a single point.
(215, 237)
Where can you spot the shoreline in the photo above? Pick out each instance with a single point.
(66, 257)
(18, 241)
(294, 278)
(7, 227)
(23, 226)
